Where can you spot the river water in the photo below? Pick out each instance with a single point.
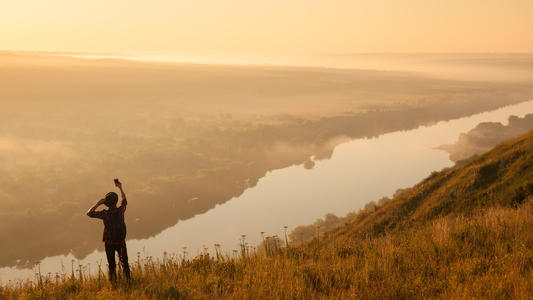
(359, 171)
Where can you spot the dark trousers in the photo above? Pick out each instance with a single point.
(120, 248)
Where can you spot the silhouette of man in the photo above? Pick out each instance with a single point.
(114, 230)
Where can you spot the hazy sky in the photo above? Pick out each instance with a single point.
(259, 27)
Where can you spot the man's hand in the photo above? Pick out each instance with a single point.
(100, 202)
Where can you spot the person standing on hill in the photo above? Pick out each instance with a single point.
(114, 230)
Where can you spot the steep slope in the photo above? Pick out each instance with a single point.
(502, 177)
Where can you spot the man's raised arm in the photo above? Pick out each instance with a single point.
(124, 202)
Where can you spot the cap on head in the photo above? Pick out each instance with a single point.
(111, 199)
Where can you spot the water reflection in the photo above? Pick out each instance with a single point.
(358, 171)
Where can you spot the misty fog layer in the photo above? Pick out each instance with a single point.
(184, 138)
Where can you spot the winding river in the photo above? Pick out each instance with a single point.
(359, 171)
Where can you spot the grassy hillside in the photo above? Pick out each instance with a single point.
(464, 232)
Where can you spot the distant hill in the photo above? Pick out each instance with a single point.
(463, 232)
(487, 135)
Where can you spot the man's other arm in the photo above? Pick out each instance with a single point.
(92, 211)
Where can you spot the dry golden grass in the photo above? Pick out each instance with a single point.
(487, 255)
